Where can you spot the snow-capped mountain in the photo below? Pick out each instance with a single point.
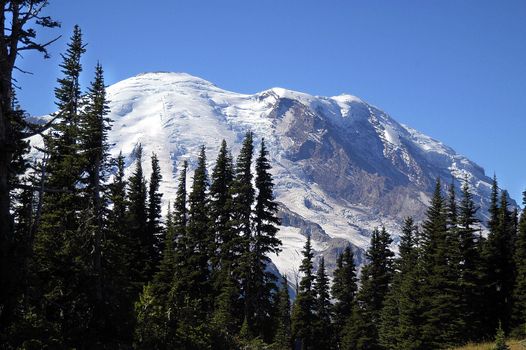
(341, 166)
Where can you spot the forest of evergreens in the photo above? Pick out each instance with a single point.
(88, 260)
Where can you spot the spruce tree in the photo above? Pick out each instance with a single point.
(440, 297)
(221, 213)
(323, 322)
(119, 259)
(154, 229)
(519, 294)
(376, 278)
(223, 319)
(94, 126)
(180, 215)
(303, 317)
(243, 195)
(498, 260)
(400, 317)
(137, 222)
(282, 339)
(500, 339)
(156, 322)
(196, 283)
(62, 264)
(344, 289)
(470, 279)
(263, 242)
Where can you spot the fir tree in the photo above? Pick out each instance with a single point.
(243, 195)
(223, 320)
(519, 294)
(400, 317)
(197, 242)
(282, 339)
(119, 259)
(155, 233)
(137, 222)
(303, 317)
(263, 242)
(500, 339)
(440, 297)
(498, 259)
(62, 264)
(94, 126)
(322, 326)
(375, 281)
(221, 213)
(344, 289)
(180, 214)
(156, 322)
(470, 279)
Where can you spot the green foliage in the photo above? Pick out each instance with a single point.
(519, 293)
(344, 289)
(282, 339)
(154, 229)
(500, 339)
(303, 317)
(375, 281)
(322, 329)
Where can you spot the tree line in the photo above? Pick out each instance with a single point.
(89, 262)
(97, 266)
(449, 284)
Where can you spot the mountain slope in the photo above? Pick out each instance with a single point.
(341, 166)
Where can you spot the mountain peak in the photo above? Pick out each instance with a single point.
(341, 166)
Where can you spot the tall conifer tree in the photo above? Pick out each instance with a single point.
(344, 289)
(323, 323)
(303, 317)
(62, 263)
(282, 339)
(263, 242)
(155, 233)
(137, 221)
(519, 293)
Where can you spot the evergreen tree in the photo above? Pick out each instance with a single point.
(243, 195)
(322, 326)
(221, 213)
(375, 281)
(344, 289)
(155, 233)
(282, 339)
(118, 260)
(137, 222)
(470, 279)
(195, 273)
(303, 317)
(440, 298)
(156, 322)
(223, 320)
(498, 259)
(500, 340)
(62, 264)
(94, 126)
(263, 242)
(400, 317)
(180, 215)
(519, 294)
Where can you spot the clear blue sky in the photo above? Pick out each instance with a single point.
(453, 69)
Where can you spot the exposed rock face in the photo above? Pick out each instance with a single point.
(341, 166)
